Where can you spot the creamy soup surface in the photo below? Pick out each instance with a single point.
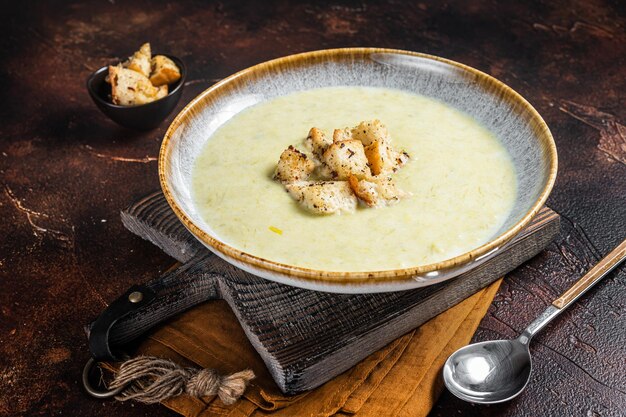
(461, 177)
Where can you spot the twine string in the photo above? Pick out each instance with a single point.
(151, 380)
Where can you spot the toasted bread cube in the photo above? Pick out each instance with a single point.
(317, 142)
(163, 71)
(162, 91)
(342, 135)
(371, 131)
(324, 197)
(376, 191)
(387, 188)
(346, 158)
(293, 165)
(140, 61)
(364, 190)
(381, 157)
(383, 160)
(130, 88)
(377, 156)
(399, 159)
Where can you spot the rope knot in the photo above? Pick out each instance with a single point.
(208, 382)
(203, 382)
(150, 380)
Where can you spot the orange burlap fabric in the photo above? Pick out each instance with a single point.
(401, 379)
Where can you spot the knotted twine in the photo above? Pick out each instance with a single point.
(151, 380)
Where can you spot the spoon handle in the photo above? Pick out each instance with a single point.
(594, 275)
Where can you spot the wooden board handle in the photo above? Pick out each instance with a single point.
(596, 273)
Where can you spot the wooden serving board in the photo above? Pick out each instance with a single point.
(308, 337)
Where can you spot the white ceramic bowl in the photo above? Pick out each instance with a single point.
(504, 112)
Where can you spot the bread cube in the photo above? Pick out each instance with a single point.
(324, 197)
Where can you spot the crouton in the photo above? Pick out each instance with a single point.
(346, 158)
(140, 61)
(384, 160)
(163, 90)
(293, 165)
(317, 142)
(341, 135)
(376, 191)
(399, 159)
(163, 71)
(371, 131)
(377, 157)
(387, 189)
(355, 166)
(130, 88)
(324, 197)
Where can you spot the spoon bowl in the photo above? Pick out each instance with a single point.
(488, 372)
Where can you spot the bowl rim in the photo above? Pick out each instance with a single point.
(357, 277)
(183, 75)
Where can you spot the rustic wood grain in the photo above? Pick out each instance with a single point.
(64, 168)
(151, 218)
(308, 337)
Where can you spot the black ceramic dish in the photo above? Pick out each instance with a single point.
(142, 117)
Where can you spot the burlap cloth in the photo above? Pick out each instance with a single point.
(401, 379)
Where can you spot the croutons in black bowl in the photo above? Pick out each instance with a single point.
(139, 117)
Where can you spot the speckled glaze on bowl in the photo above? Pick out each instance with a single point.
(503, 111)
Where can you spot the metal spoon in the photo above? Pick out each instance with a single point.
(497, 371)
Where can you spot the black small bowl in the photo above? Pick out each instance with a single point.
(142, 117)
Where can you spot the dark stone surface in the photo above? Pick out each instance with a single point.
(66, 171)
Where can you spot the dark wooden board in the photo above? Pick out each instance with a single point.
(308, 337)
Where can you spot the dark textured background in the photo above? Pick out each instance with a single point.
(66, 171)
